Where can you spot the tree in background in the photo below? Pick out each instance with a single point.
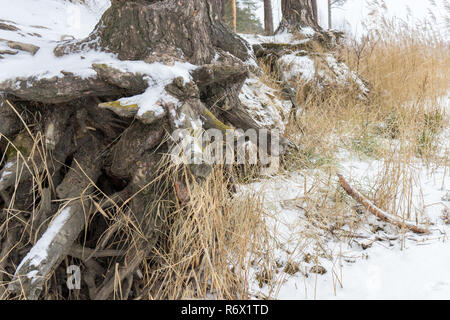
(315, 10)
(234, 14)
(246, 20)
(268, 18)
(331, 5)
(298, 14)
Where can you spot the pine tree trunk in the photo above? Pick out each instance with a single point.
(268, 18)
(315, 11)
(234, 14)
(329, 15)
(297, 14)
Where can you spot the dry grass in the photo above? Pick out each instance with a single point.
(403, 117)
(208, 248)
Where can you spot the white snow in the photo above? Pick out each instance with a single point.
(409, 267)
(406, 266)
(264, 106)
(38, 253)
(50, 18)
(294, 66)
(355, 13)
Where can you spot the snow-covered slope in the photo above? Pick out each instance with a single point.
(373, 265)
(42, 23)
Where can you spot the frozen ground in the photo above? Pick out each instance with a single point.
(380, 265)
(377, 261)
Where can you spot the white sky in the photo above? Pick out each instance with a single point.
(354, 12)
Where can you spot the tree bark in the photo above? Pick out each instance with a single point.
(95, 153)
(297, 14)
(315, 11)
(190, 30)
(268, 18)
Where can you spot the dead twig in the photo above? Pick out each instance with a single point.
(378, 212)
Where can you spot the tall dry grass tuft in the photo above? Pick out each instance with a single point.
(402, 122)
(209, 244)
(407, 66)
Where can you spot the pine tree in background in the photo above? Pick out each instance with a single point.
(247, 22)
(268, 18)
(315, 10)
(331, 5)
(298, 14)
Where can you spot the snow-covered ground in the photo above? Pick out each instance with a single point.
(378, 261)
(43, 24)
(373, 265)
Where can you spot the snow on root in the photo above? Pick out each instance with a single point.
(263, 104)
(324, 69)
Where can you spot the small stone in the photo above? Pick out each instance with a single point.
(318, 270)
(28, 47)
(292, 268)
(8, 27)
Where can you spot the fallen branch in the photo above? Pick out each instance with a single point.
(383, 215)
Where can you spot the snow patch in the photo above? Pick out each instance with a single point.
(44, 23)
(39, 252)
(262, 103)
(399, 267)
(294, 67)
(158, 76)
